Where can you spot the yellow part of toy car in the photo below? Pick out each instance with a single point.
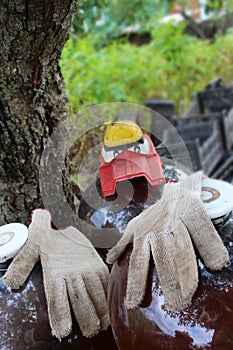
(122, 133)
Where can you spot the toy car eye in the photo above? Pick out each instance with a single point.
(137, 149)
(142, 148)
(110, 155)
(107, 155)
(116, 153)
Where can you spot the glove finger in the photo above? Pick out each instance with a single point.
(137, 227)
(163, 251)
(186, 265)
(205, 237)
(58, 306)
(138, 272)
(104, 277)
(97, 293)
(21, 266)
(83, 307)
(119, 248)
(168, 250)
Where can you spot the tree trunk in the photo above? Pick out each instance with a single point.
(32, 96)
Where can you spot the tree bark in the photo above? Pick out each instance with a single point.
(32, 97)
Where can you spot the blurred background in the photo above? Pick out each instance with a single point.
(124, 51)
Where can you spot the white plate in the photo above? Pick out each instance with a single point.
(217, 196)
(12, 238)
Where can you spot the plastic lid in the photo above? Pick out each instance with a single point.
(217, 196)
(12, 238)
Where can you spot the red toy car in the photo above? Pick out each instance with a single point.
(128, 153)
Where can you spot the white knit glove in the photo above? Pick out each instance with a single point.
(168, 229)
(72, 272)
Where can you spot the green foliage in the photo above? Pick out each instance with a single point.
(88, 11)
(214, 6)
(173, 66)
(106, 19)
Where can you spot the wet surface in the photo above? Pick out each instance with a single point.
(25, 325)
(132, 197)
(206, 324)
(23, 313)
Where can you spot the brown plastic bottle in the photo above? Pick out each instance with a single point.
(206, 324)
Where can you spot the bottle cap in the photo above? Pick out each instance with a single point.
(217, 196)
(12, 237)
